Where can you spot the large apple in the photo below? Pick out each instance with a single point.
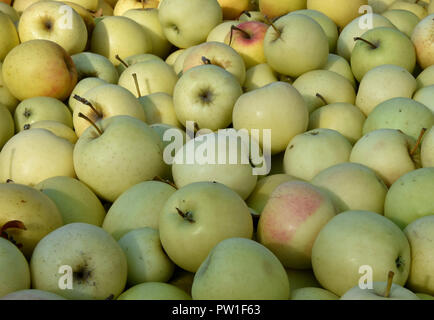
(7, 127)
(154, 291)
(8, 34)
(90, 64)
(423, 41)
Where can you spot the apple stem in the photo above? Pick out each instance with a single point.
(9, 181)
(240, 30)
(272, 25)
(136, 82)
(80, 115)
(205, 60)
(170, 183)
(187, 216)
(366, 41)
(121, 61)
(247, 13)
(87, 103)
(389, 284)
(322, 98)
(419, 140)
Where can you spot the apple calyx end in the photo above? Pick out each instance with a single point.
(186, 215)
(205, 60)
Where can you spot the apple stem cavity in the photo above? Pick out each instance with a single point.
(319, 96)
(245, 33)
(272, 25)
(389, 283)
(205, 60)
(80, 115)
(87, 103)
(366, 41)
(136, 82)
(418, 142)
(121, 61)
(187, 216)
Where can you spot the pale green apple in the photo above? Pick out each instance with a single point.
(415, 8)
(259, 76)
(99, 266)
(159, 108)
(341, 66)
(425, 78)
(422, 38)
(10, 11)
(146, 259)
(321, 87)
(7, 127)
(409, 198)
(188, 24)
(32, 294)
(15, 273)
(154, 291)
(274, 9)
(425, 96)
(37, 109)
(6, 97)
(312, 293)
(427, 149)
(241, 269)
(379, 6)
(403, 20)
(346, 182)
(20, 202)
(137, 207)
(197, 217)
(338, 251)
(90, 64)
(311, 152)
(278, 107)
(59, 129)
(123, 6)
(178, 66)
(289, 51)
(301, 279)
(35, 155)
(9, 35)
(170, 60)
(219, 33)
(206, 95)
(112, 162)
(383, 83)
(397, 292)
(75, 201)
(291, 220)
(81, 88)
(141, 57)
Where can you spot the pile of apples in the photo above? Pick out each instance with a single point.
(90, 208)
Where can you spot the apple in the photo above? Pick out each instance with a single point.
(75, 201)
(383, 83)
(345, 118)
(241, 269)
(10, 11)
(59, 129)
(409, 197)
(384, 247)
(154, 291)
(259, 76)
(292, 217)
(206, 95)
(137, 207)
(148, 19)
(36, 109)
(427, 149)
(112, 3)
(32, 294)
(15, 273)
(288, 50)
(19, 203)
(425, 78)
(321, 87)
(147, 262)
(108, 38)
(107, 9)
(197, 217)
(90, 64)
(425, 96)
(85, 14)
(8, 34)
(253, 16)
(379, 6)
(26, 74)
(312, 293)
(218, 34)
(232, 9)
(141, 57)
(273, 9)
(99, 266)
(423, 41)
(278, 107)
(35, 155)
(6, 98)
(404, 114)
(178, 66)
(301, 279)
(90, 5)
(21, 5)
(123, 6)
(7, 127)
(111, 160)
(404, 20)
(412, 7)
(313, 151)
(188, 24)
(81, 88)
(389, 152)
(219, 54)
(159, 108)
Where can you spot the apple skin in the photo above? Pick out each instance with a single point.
(341, 66)
(90, 64)
(412, 7)
(425, 96)
(6, 97)
(32, 294)
(404, 20)
(345, 182)
(154, 291)
(425, 78)
(26, 73)
(182, 279)
(159, 108)
(240, 269)
(423, 41)
(409, 197)
(123, 6)
(397, 292)
(427, 149)
(259, 76)
(20, 202)
(424, 296)
(219, 213)
(98, 263)
(15, 273)
(218, 34)
(338, 253)
(379, 6)
(232, 9)
(309, 293)
(301, 279)
(292, 218)
(137, 207)
(9, 35)
(59, 129)
(273, 9)
(136, 58)
(81, 88)
(10, 11)
(7, 127)
(113, 162)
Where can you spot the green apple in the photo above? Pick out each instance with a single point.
(197, 217)
(288, 50)
(37, 109)
(219, 33)
(137, 207)
(415, 8)
(206, 95)
(81, 88)
(241, 269)
(383, 83)
(278, 107)
(409, 198)
(425, 78)
(188, 24)
(321, 87)
(97, 262)
(141, 57)
(9, 35)
(427, 149)
(123, 6)
(404, 20)
(291, 220)
(7, 127)
(35, 155)
(15, 273)
(112, 162)
(32, 294)
(338, 252)
(345, 118)
(146, 259)
(385, 46)
(90, 64)
(259, 76)
(341, 66)
(6, 97)
(312, 293)
(154, 291)
(10, 11)
(423, 41)
(159, 108)
(313, 151)
(232, 9)
(425, 96)
(59, 129)
(26, 74)
(378, 291)
(75, 201)
(301, 279)
(20, 203)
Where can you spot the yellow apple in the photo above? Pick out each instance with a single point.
(232, 9)
(412, 7)
(159, 108)
(59, 129)
(273, 9)
(6, 97)
(7, 127)
(423, 41)
(8, 35)
(123, 6)
(259, 76)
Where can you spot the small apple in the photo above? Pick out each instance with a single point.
(7, 127)
(8, 34)
(259, 76)
(154, 291)
(159, 108)
(423, 41)
(90, 64)
(310, 293)
(59, 129)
